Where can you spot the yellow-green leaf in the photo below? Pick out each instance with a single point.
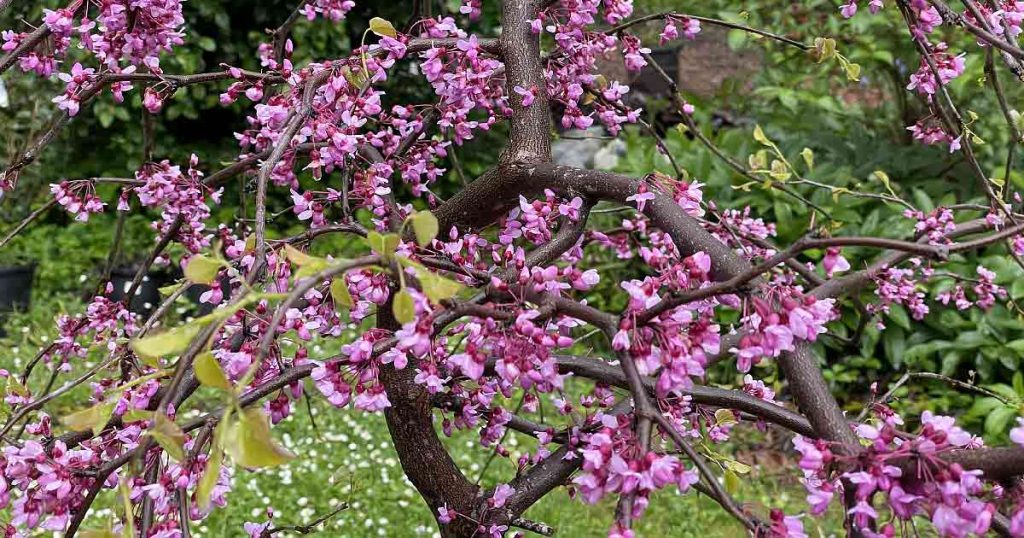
(202, 269)
(213, 464)
(298, 257)
(780, 172)
(169, 436)
(1018, 120)
(385, 245)
(14, 387)
(824, 49)
(250, 444)
(126, 504)
(724, 417)
(355, 79)
(760, 137)
(382, 27)
(309, 270)
(808, 156)
(308, 265)
(732, 482)
(852, 71)
(209, 479)
(339, 292)
(424, 223)
(438, 288)
(167, 290)
(737, 467)
(170, 342)
(759, 160)
(209, 372)
(403, 307)
(93, 418)
(135, 415)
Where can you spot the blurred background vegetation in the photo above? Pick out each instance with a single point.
(854, 129)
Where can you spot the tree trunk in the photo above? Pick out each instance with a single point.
(423, 456)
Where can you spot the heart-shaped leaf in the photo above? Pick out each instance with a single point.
(425, 225)
(382, 27)
(202, 269)
(93, 418)
(250, 444)
(209, 372)
(169, 436)
(404, 307)
(339, 292)
(167, 343)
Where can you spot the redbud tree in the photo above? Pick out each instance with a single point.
(455, 309)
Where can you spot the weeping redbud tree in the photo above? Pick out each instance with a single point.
(458, 309)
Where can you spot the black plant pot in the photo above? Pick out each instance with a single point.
(650, 81)
(16, 287)
(147, 296)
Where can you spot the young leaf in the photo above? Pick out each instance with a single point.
(737, 467)
(404, 307)
(14, 387)
(732, 482)
(297, 257)
(758, 160)
(852, 71)
(760, 137)
(166, 291)
(779, 171)
(126, 503)
(209, 372)
(724, 417)
(808, 156)
(135, 415)
(424, 223)
(382, 27)
(172, 342)
(202, 269)
(824, 49)
(339, 292)
(169, 436)
(438, 288)
(355, 79)
(384, 245)
(213, 464)
(209, 479)
(250, 444)
(308, 265)
(93, 418)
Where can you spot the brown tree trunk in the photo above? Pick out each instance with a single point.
(422, 454)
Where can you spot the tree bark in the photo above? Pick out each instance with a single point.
(423, 456)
